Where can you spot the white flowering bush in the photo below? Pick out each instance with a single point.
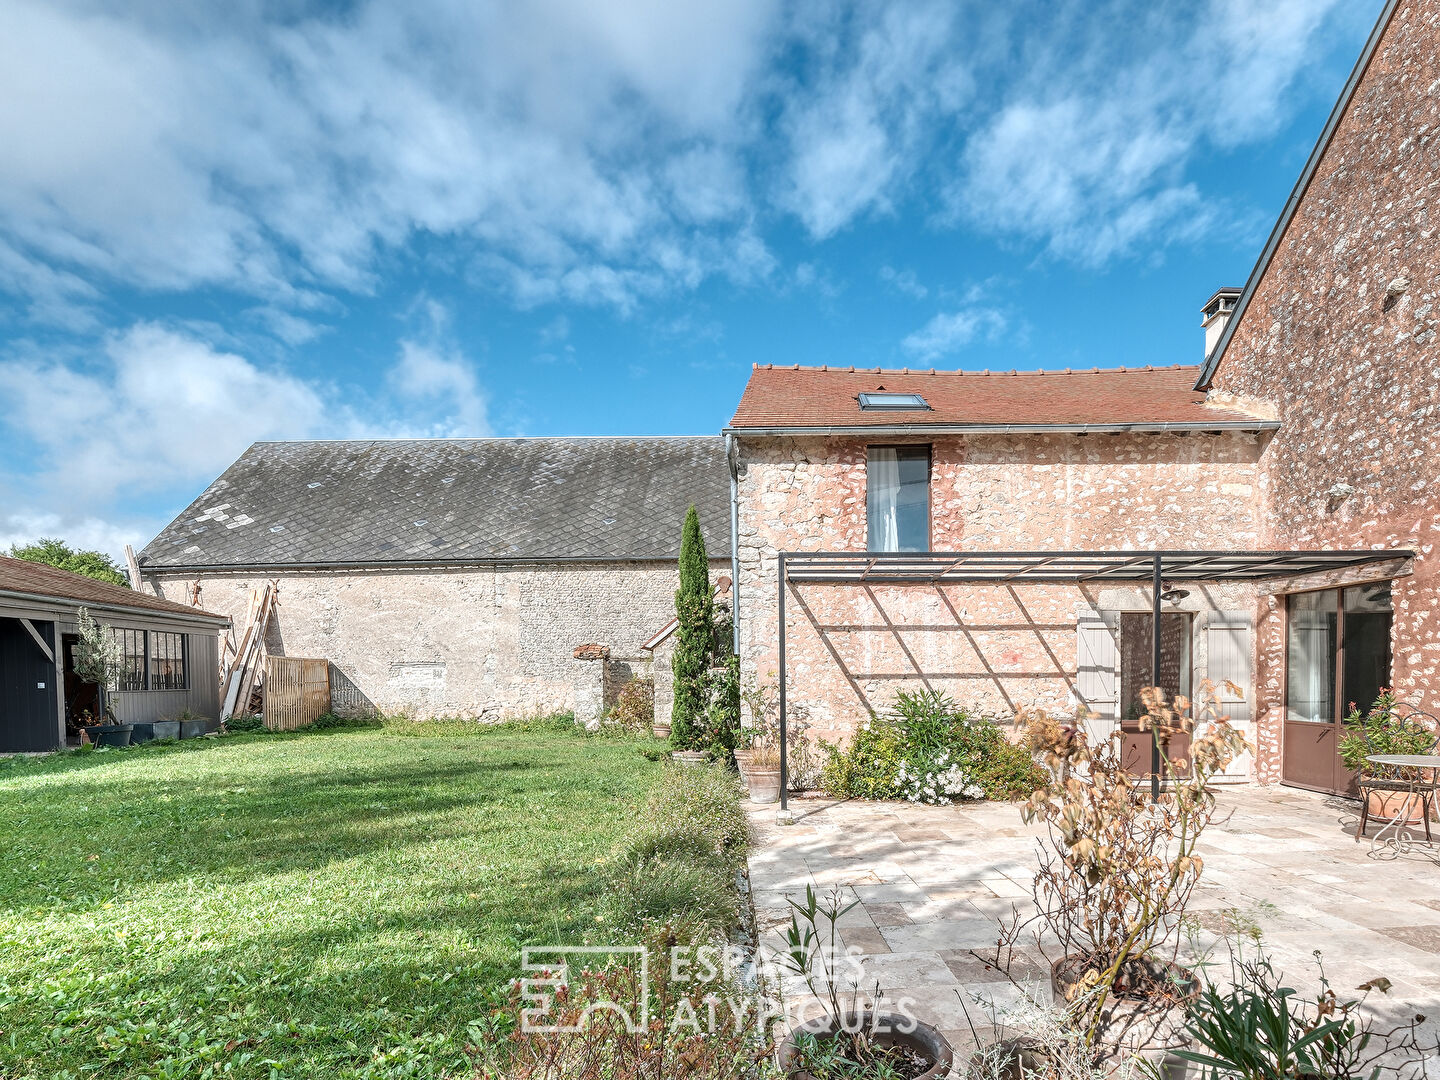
(930, 750)
(940, 782)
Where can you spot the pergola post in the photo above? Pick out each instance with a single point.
(784, 725)
(1155, 587)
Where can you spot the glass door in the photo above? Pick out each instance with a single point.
(1337, 652)
(1136, 660)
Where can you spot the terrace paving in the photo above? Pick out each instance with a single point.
(933, 881)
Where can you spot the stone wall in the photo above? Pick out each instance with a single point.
(473, 641)
(851, 649)
(1339, 342)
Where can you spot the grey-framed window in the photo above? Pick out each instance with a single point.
(132, 660)
(167, 661)
(897, 498)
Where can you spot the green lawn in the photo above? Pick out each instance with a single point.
(340, 904)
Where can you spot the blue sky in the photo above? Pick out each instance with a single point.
(279, 220)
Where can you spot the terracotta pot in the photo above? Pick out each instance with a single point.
(1130, 1026)
(690, 757)
(742, 760)
(887, 1029)
(1385, 805)
(764, 783)
(662, 731)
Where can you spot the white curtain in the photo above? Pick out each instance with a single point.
(884, 484)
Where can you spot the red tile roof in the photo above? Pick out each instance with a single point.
(24, 578)
(827, 397)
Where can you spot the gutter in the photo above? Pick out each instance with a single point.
(1142, 427)
(732, 459)
(50, 602)
(407, 564)
(1292, 204)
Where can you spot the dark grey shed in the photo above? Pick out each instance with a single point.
(39, 606)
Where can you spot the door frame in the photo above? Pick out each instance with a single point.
(1336, 724)
(1192, 623)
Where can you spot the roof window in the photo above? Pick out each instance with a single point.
(892, 401)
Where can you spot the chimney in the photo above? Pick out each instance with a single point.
(1215, 314)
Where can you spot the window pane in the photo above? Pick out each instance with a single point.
(1368, 616)
(1310, 657)
(898, 498)
(132, 660)
(167, 661)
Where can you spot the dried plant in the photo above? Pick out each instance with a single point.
(1117, 869)
(703, 1030)
(806, 756)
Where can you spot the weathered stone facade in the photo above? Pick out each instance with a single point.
(474, 641)
(851, 648)
(1338, 342)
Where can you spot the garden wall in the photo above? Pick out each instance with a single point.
(476, 641)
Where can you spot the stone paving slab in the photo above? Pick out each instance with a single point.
(932, 883)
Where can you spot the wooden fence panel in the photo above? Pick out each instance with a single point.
(297, 691)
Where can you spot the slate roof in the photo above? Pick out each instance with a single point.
(435, 501)
(22, 578)
(827, 397)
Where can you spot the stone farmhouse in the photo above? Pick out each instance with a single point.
(1312, 424)
(1266, 517)
(451, 576)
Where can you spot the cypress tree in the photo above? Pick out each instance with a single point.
(695, 611)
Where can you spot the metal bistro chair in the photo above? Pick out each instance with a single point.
(1399, 778)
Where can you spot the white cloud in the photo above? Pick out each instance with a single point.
(949, 332)
(277, 157)
(1089, 152)
(854, 136)
(163, 408)
(904, 281)
(89, 533)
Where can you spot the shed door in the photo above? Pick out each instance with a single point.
(29, 714)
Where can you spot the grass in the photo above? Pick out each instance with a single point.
(346, 904)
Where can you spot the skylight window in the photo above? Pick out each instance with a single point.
(892, 401)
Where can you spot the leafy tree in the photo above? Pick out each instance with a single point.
(97, 656)
(695, 637)
(57, 553)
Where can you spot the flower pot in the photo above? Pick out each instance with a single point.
(110, 734)
(1386, 806)
(662, 731)
(1013, 1059)
(886, 1029)
(764, 784)
(1131, 1025)
(742, 760)
(193, 729)
(690, 757)
(166, 729)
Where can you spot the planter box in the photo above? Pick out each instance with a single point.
(166, 729)
(193, 729)
(111, 734)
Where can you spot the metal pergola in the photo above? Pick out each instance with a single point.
(1039, 567)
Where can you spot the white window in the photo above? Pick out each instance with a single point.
(897, 498)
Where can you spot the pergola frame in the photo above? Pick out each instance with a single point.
(1039, 567)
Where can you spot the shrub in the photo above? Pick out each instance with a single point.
(931, 751)
(695, 637)
(691, 838)
(244, 725)
(634, 708)
(1387, 727)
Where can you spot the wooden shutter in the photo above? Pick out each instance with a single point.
(1096, 679)
(1228, 636)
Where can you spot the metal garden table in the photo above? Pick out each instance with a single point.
(1410, 782)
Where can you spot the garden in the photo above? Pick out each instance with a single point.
(349, 902)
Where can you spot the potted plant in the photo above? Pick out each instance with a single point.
(191, 725)
(98, 660)
(1117, 870)
(1387, 727)
(854, 1040)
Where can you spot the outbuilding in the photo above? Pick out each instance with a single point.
(169, 651)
